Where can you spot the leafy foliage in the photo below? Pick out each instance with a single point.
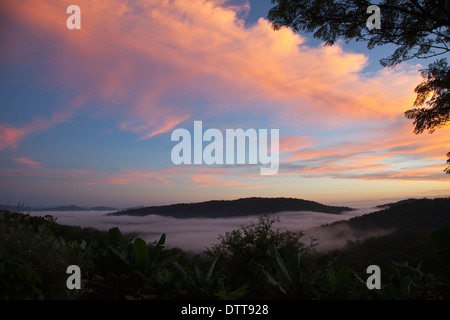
(434, 93)
(436, 85)
(258, 261)
(241, 250)
(408, 282)
(419, 29)
(441, 243)
(17, 279)
(28, 243)
(203, 285)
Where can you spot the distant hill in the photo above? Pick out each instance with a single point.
(233, 208)
(102, 208)
(64, 208)
(74, 208)
(12, 208)
(22, 208)
(410, 214)
(392, 204)
(400, 233)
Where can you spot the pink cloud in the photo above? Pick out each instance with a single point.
(29, 163)
(146, 59)
(393, 153)
(91, 177)
(214, 180)
(11, 136)
(289, 145)
(128, 176)
(169, 125)
(152, 129)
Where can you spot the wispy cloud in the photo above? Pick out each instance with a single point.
(29, 163)
(394, 157)
(12, 136)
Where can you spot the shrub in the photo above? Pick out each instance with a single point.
(243, 252)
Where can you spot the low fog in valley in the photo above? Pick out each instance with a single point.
(196, 234)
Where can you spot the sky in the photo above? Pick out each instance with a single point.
(86, 116)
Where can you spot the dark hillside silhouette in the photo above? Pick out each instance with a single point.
(234, 208)
(411, 214)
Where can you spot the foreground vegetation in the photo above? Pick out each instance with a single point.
(258, 261)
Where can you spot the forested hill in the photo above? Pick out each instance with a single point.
(412, 214)
(233, 208)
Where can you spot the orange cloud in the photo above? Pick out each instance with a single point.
(214, 180)
(393, 153)
(145, 59)
(293, 144)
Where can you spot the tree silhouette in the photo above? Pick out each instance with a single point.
(418, 29)
(437, 114)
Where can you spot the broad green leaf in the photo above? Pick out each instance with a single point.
(283, 274)
(114, 237)
(141, 251)
(405, 287)
(295, 263)
(331, 280)
(199, 275)
(157, 249)
(211, 269)
(185, 275)
(344, 276)
(119, 255)
(220, 285)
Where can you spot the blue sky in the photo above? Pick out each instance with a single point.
(86, 115)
